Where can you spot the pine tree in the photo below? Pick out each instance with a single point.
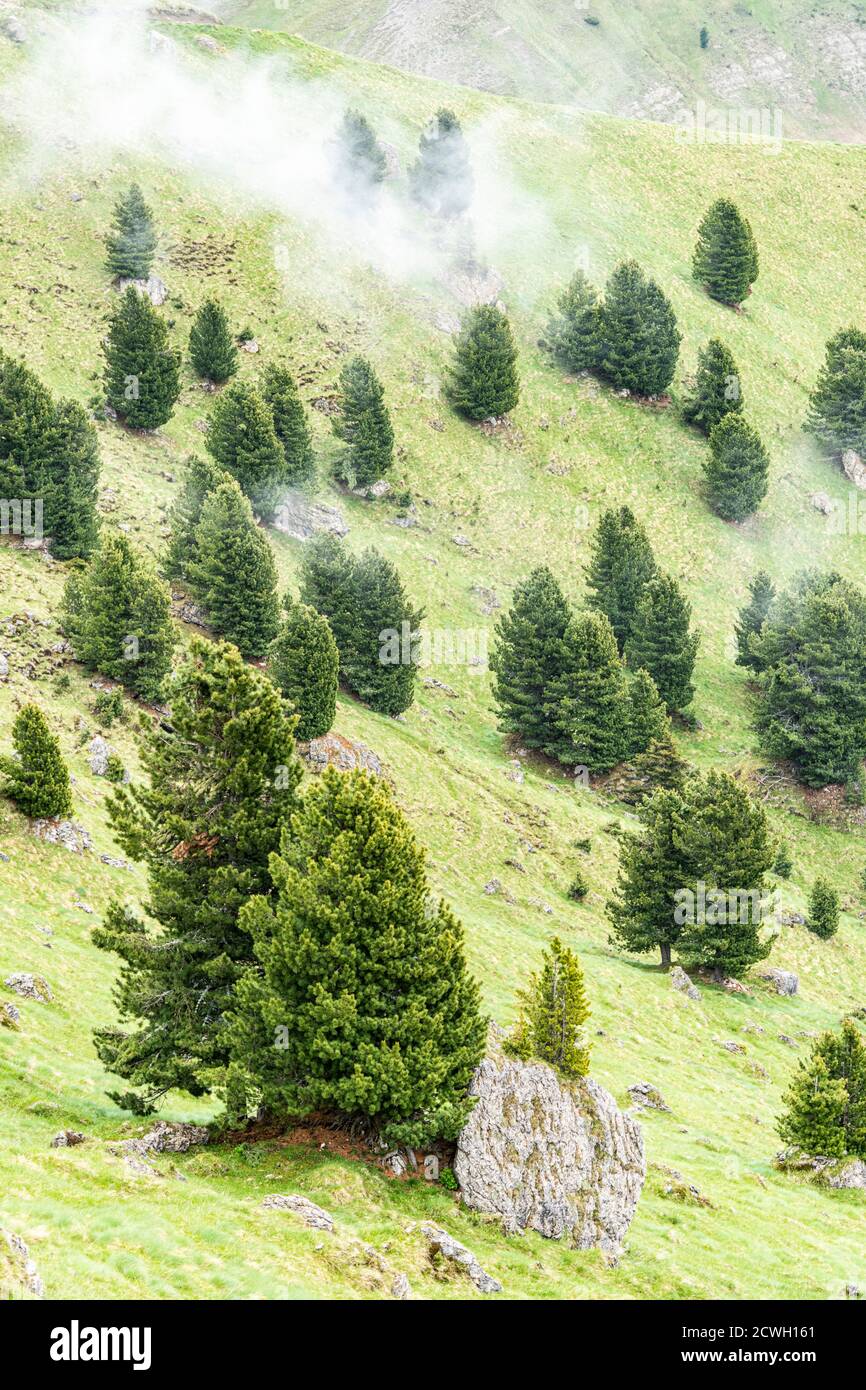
(527, 656)
(837, 406)
(783, 865)
(211, 347)
(751, 618)
(573, 332)
(825, 1112)
(26, 422)
(117, 616)
(483, 382)
(661, 642)
(71, 517)
(142, 373)
(233, 575)
(363, 1005)
(823, 918)
(718, 388)
(811, 659)
(290, 425)
(726, 256)
(639, 338)
(131, 248)
(736, 470)
(621, 566)
(304, 662)
(585, 702)
(657, 765)
(554, 1014)
(242, 438)
(441, 180)
(364, 424)
(644, 716)
(37, 777)
(203, 477)
(220, 789)
(642, 910)
(360, 163)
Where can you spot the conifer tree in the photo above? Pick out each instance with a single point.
(554, 1014)
(823, 917)
(37, 778)
(71, 518)
(837, 406)
(661, 641)
(642, 910)
(233, 574)
(441, 180)
(360, 164)
(304, 662)
(657, 765)
(725, 260)
(527, 656)
(142, 373)
(483, 380)
(362, 1004)
(718, 388)
(621, 566)
(783, 864)
(131, 248)
(220, 786)
(825, 1105)
(640, 341)
(585, 702)
(736, 470)
(203, 476)
(242, 439)
(211, 347)
(364, 425)
(573, 332)
(644, 716)
(117, 616)
(26, 422)
(752, 616)
(290, 425)
(811, 659)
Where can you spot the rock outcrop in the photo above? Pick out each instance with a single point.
(826, 1172)
(17, 1270)
(550, 1155)
(297, 516)
(29, 986)
(680, 980)
(334, 750)
(783, 981)
(439, 1242)
(62, 832)
(854, 468)
(309, 1213)
(153, 288)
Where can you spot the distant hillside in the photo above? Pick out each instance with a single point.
(639, 58)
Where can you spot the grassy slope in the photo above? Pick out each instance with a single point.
(617, 189)
(783, 53)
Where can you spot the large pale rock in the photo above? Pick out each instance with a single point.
(783, 981)
(854, 468)
(334, 750)
(155, 289)
(62, 832)
(557, 1157)
(297, 516)
(99, 751)
(29, 986)
(680, 980)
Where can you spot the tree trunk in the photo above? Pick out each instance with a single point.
(665, 949)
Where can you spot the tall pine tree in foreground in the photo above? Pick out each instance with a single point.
(737, 469)
(725, 260)
(639, 338)
(37, 778)
(527, 657)
(823, 916)
(203, 476)
(359, 164)
(211, 347)
(220, 788)
(554, 1010)
(718, 388)
(825, 1105)
(584, 701)
(364, 425)
(233, 575)
(621, 565)
(132, 244)
(661, 641)
(142, 373)
(441, 180)
(242, 438)
(752, 616)
(117, 616)
(304, 662)
(290, 425)
(573, 331)
(483, 380)
(362, 1004)
(837, 406)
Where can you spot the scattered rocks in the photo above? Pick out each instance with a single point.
(17, 1270)
(400, 1288)
(826, 1172)
(68, 1139)
(439, 1242)
(380, 488)
(822, 503)
(675, 1186)
(648, 1097)
(494, 886)
(735, 987)
(297, 516)
(514, 772)
(784, 1038)
(13, 28)
(854, 468)
(792, 919)
(10, 1017)
(29, 986)
(4, 665)
(335, 750)
(431, 683)
(63, 832)
(309, 1213)
(487, 598)
(250, 345)
(155, 289)
(99, 751)
(188, 612)
(553, 1156)
(783, 981)
(680, 980)
(731, 1046)
(163, 1138)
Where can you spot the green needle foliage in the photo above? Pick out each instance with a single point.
(360, 163)
(220, 786)
(573, 333)
(242, 438)
(364, 425)
(203, 476)
(132, 245)
(725, 260)
(752, 617)
(362, 1004)
(483, 382)
(142, 373)
(639, 338)
(554, 1013)
(661, 641)
(233, 574)
(584, 701)
(527, 657)
(837, 406)
(621, 565)
(737, 469)
(304, 662)
(441, 179)
(825, 1105)
(823, 917)
(37, 778)
(718, 388)
(290, 425)
(211, 347)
